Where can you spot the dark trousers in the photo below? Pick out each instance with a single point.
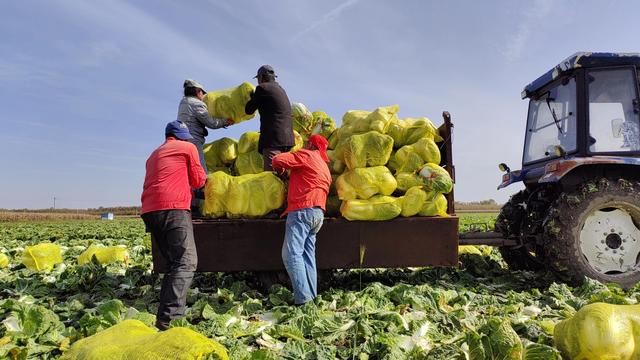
(172, 231)
(269, 153)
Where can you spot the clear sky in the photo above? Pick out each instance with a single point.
(86, 87)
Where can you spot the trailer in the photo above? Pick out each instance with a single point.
(228, 245)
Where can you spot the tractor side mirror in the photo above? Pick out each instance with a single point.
(616, 127)
(503, 167)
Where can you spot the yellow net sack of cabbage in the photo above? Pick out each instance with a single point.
(600, 331)
(436, 205)
(251, 195)
(299, 141)
(407, 180)
(418, 201)
(220, 153)
(413, 201)
(104, 254)
(303, 120)
(376, 208)
(410, 158)
(325, 125)
(248, 142)
(229, 103)
(4, 261)
(408, 131)
(362, 150)
(131, 339)
(360, 121)
(336, 165)
(436, 178)
(42, 257)
(249, 160)
(363, 183)
(249, 163)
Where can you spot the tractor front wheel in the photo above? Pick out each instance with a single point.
(509, 223)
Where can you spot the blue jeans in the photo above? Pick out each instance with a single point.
(299, 252)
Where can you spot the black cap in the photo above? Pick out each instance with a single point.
(266, 70)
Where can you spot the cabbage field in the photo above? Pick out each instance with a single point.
(480, 310)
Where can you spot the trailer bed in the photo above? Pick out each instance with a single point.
(229, 245)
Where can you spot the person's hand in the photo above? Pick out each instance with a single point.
(229, 122)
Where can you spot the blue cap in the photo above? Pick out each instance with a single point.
(178, 129)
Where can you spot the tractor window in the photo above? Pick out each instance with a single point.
(551, 122)
(613, 114)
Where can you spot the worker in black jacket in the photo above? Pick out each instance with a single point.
(276, 129)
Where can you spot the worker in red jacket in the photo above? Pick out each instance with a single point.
(173, 169)
(309, 183)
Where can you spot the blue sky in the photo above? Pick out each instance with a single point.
(86, 87)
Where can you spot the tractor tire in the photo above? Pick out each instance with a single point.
(593, 232)
(509, 223)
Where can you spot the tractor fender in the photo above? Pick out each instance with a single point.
(555, 171)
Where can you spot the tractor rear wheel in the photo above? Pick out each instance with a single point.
(594, 232)
(509, 223)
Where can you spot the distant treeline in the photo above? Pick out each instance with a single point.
(489, 205)
(117, 210)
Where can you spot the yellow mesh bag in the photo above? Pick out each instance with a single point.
(435, 206)
(302, 119)
(600, 331)
(407, 180)
(436, 178)
(299, 141)
(376, 208)
(249, 163)
(229, 103)
(410, 158)
(42, 257)
(4, 261)
(248, 142)
(362, 150)
(251, 195)
(249, 160)
(413, 201)
(220, 153)
(363, 183)
(336, 166)
(131, 339)
(325, 125)
(104, 254)
(360, 121)
(410, 130)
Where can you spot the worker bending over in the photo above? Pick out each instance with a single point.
(309, 183)
(172, 170)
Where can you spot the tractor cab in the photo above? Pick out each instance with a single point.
(584, 111)
(579, 213)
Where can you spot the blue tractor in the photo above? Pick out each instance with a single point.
(579, 213)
